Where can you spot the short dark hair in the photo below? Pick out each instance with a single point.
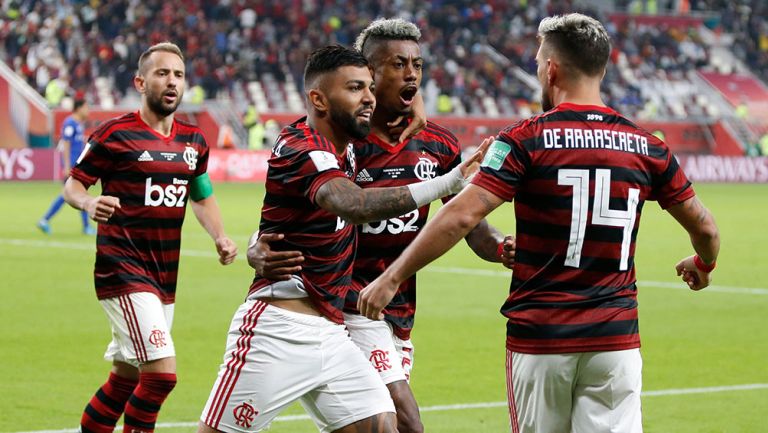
(168, 47)
(330, 58)
(77, 104)
(580, 41)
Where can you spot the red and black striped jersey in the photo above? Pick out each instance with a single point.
(430, 153)
(137, 250)
(579, 176)
(301, 162)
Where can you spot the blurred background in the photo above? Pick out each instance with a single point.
(691, 71)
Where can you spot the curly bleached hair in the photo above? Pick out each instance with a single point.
(580, 41)
(392, 29)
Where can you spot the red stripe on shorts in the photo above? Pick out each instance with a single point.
(511, 396)
(234, 366)
(129, 316)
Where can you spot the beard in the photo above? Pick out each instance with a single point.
(357, 129)
(157, 106)
(546, 101)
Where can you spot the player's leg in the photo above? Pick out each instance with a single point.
(408, 416)
(607, 392)
(87, 228)
(271, 360)
(392, 358)
(141, 329)
(353, 397)
(43, 223)
(539, 392)
(107, 405)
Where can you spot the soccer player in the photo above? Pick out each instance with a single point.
(71, 146)
(149, 165)
(579, 175)
(392, 49)
(288, 342)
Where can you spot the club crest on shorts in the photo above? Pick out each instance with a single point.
(380, 360)
(157, 338)
(190, 156)
(244, 415)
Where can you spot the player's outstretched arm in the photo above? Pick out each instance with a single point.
(356, 205)
(452, 222)
(99, 209)
(208, 214)
(272, 265)
(705, 238)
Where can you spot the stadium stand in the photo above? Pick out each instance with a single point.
(479, 54)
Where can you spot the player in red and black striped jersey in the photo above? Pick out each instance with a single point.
(385, 159)
(150, 165)
(579, 175)
(287, 341)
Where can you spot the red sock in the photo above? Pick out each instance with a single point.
(143, 406)
(106, 406)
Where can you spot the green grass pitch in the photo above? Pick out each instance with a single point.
(705, 354)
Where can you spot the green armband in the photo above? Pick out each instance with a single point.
(201, 187)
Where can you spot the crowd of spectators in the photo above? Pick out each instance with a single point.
(747, 20)
(472, 48)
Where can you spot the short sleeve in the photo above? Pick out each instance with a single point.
(95, 163)
(504, 165)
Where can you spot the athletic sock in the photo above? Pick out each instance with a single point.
(106, 406)
(143, 406)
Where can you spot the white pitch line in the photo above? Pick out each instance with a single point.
(491, 404)
(436, 269)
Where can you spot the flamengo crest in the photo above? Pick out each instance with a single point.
(425, 169)
(380, 360)
(244, 415)
(157, 338)
(190, 156)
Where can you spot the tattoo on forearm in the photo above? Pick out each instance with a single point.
(363, 205)
(698, 209)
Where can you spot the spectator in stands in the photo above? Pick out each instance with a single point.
(255, 127)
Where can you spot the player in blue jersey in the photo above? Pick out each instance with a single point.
(71, 146)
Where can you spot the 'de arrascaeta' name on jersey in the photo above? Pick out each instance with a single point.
(577, 138)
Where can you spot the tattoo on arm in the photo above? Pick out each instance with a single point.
(357, 205)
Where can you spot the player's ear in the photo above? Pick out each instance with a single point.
(138, 83)
(318, 100)
(553, 69)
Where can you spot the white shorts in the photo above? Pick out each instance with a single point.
(141, 328)
(591, 392)
(275, 357)
(389, 355)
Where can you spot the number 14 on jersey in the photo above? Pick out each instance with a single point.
(602, 214)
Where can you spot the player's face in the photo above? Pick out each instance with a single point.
(162, 83)
(541, 73)
(397, 73)
(352, 101)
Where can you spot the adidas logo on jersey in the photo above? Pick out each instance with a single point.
(146, 156)
(363, 176)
